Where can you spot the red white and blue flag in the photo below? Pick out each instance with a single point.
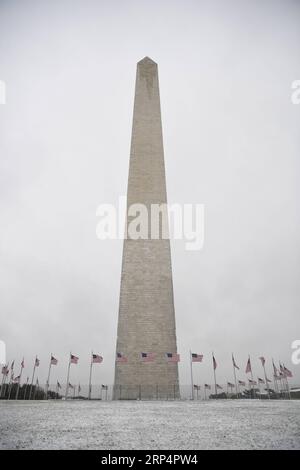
(196, 357)
(121, 357)
(242, 383)
(207, 386)
(53, 361)
(248, 366)
(37, 362)
(260, 381)
(219, 387)
(287, 372)
(252, 382)
(234, 363)
(230, 385)
(215, 363)
(147, 357)
(96, 359)
(263, 361)
(74, 359)
(171, 357)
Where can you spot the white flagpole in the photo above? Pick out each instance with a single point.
(48, 380)
(192, 379)
(267, 384)
(90, 380)
(287, 383)
(234, 373)
(2, 384)
(252, 385)
(30, 391)
(68, 377)
(26, 386)
(35, 389)
(216, 392)
(18, 387)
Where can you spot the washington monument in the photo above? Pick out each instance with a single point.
(146, 337)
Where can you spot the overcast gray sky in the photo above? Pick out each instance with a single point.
(232, 142)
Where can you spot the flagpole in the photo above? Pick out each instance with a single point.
(36, 384)
(251, 377)
(26, 386)
(90, 381)
(216, 392)
(234, 373)
(19, 381)
(68, 376)
(266, 380)
(10, 385)
(287, 383)
(30, 391)
(192, 380)
(2, 383)
(275, 377)
(48, 380)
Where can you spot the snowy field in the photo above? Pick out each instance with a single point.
(244, 424)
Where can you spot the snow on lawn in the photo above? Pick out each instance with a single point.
(222, 424)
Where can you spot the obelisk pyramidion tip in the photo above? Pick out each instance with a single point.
(147, 61)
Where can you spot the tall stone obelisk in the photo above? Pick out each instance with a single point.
(146, 312)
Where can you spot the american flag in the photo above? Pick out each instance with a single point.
(215, 363)
(22, 364)
(269, 381)
(260, 381)
(70, 385)
(53, 361)
(263, 361)
(219, 387)
(197, 357)
(241, 382)
(58, 385)
(74, 359)
(5, 370)
(287, 372)
(104, 387)
(147, 357)
(37, 362)
(248, 366)
(96, 359)
(230, 385)
(252, 382)
(207, 386)
(121, 358)
(197, 387)
(12, 365)
(275, 369)
(16, 380)
(173, 357)
(234, 363)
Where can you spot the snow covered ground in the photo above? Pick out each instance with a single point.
(243, 424)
